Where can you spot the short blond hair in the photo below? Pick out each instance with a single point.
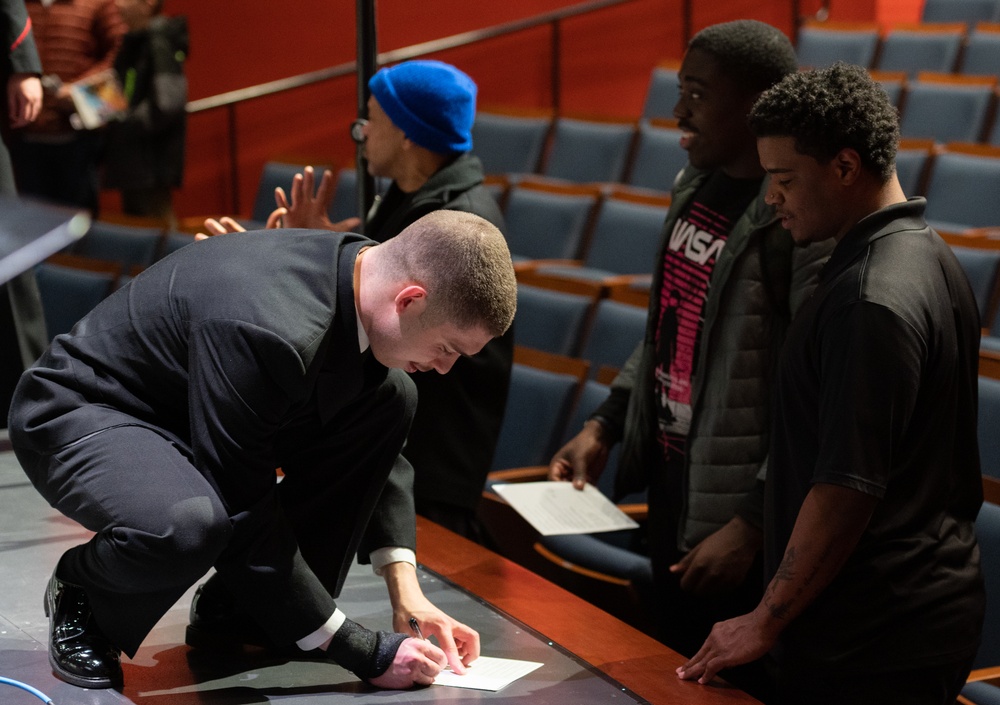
(463, 262)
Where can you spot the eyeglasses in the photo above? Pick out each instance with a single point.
(358, 130)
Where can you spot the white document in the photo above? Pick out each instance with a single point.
(487, 673)
(558, 508)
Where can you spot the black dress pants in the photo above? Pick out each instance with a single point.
(159, 523)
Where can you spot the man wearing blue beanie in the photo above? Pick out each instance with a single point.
(418, 134)
(433, 103)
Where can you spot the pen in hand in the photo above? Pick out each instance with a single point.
(415, 626)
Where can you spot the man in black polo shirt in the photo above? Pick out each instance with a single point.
(875, 593)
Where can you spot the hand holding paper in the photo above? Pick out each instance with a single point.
(559, 508)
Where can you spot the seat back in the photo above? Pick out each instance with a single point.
(662, 92)
(988, 535)
(658, 156)
(632, 290)
(962, 187)
(893, 83)
(913, 159)
(968, 11)
(821, 44)
(921, 47)
(616, 330)
(345, 196)
(947, 108)
(981, 267)
(130, 245)
(497, 185)
(551, 320)
(71, 286)
(548, 221)
(584, 151)
(344, 203)
(989, 440)
(509, 144)
(538, 405)
(982, 49)
(626, 233)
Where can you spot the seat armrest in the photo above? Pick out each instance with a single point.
(529, 474)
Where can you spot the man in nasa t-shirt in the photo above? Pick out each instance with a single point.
(693, 247)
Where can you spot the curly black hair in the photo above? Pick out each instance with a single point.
(827, 110)
(756, 54)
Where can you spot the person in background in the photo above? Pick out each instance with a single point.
(158, 423)
(691, 405)
(21, 314)
(875, 593)
(144, 150)
(76, 39)
(419, 135)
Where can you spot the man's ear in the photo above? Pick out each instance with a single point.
(411, 298)
(847, 164)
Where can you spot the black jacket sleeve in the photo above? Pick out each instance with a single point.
(21, 54)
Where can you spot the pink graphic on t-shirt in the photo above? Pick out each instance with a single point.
(692, 250)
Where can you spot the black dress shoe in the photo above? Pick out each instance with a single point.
(79, 653)
(217, 622)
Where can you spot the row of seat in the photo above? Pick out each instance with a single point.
(548, 219)
(586, 236)
(590, 235)
(943, 47)
(555, 218)
(907, 50)
(644, 153)
(969, 11)
(945, 107)
(589, 322)
(589, 231)
(942, 118)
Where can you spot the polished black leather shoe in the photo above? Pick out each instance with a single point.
(79, 652)
(217, 622)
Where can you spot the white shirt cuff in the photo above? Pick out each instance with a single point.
(321, 635)
(381, 557)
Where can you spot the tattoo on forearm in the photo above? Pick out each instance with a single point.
(786, 572)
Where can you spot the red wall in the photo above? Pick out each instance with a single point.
(606, 60)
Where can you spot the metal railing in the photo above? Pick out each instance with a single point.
(232, 99)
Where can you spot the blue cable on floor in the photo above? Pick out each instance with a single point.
(24, 686)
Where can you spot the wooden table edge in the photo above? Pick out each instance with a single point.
(637, 661)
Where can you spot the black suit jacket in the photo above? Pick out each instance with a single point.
(225, 347)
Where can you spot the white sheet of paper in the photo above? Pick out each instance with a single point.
(487, 673)
(558, 508)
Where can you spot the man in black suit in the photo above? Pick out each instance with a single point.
(158, 423)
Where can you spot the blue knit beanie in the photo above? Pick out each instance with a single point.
(433, 103)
